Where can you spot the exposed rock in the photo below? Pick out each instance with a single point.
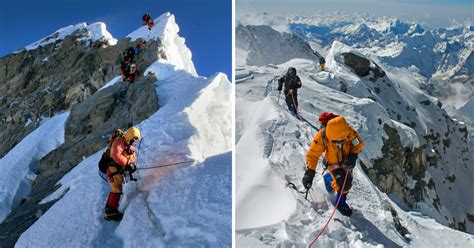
(87, 130)
(41, 82)
(360, 65)
(390, 172)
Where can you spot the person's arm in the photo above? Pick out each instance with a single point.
(298, 82)
(117, 152)
(357, 144)
(280, 83)
(315, 151)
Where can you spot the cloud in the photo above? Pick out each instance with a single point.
(253, 18)
(437, 14)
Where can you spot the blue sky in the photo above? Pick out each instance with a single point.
(430, 13)
(205, 24)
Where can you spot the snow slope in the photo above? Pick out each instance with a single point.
(166, 30)
(94, 31)
(19, 164)
(275, 143)
(191, 202)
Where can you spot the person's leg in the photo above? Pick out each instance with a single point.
(289, 101)
(115, 183)
(295, 101)
(339, 175)
(327, 182)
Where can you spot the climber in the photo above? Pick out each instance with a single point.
(147, 20)
(129, 54)
(341, 145)
(122, 154)
(124, 68)
(322, 63)
(138, 47)
(292, 83)
(132, 73)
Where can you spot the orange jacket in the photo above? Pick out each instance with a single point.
(122, 153)
(336, 129)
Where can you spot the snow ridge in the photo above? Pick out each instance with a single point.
(166, 30)
(94, 31)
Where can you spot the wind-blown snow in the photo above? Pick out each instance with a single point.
(166, 30)
(261, 197)
(192, 202)
(94, 31)
(19, 164)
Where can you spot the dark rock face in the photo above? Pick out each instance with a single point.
(390, 172)
(68, 80)
(360, 65)
(53, 78)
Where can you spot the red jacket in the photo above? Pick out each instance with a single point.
(122, 153)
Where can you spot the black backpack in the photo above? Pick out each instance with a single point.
(106, 160)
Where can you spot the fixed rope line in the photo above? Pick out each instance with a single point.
(166, 165)
(333, 212)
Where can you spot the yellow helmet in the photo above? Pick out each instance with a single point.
(132, 133)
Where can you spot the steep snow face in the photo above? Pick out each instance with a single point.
(19, 164)
(192, 203)
(93, 32)
(264, 45)
(204, 115)
(166, 30)
(257, 185)
(271, 147)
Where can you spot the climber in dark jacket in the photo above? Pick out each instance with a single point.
(290, 83)
(148, 21)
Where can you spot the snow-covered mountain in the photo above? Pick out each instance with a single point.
(191, 202)
(262, 45)
(415, 167)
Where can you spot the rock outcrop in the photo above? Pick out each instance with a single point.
(52, 78)
(66, 76)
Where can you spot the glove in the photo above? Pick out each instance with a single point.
(131, 167)
(351, 161)
(308, 178)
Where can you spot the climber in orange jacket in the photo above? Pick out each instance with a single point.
(341, 145)
(122, 152)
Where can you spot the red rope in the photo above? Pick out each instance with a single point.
(330, 218)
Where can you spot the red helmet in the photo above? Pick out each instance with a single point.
(326, 116)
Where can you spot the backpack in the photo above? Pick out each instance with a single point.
(106, 160)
